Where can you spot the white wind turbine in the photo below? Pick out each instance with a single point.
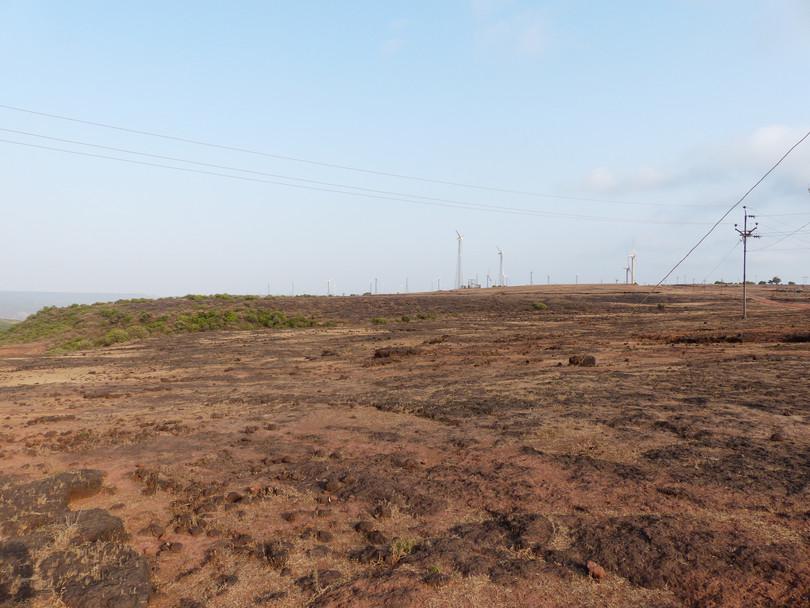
(632, 266)
(501, 278)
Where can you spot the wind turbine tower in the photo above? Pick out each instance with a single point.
(501, 279)
(459, 273)
(632, 265)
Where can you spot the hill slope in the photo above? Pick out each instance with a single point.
(6, 324)
(82, 326)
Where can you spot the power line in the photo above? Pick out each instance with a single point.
(730, 209)
(297, 159)
(787, 236)
(791, 232)
(457, 205)
(782, 249)
(720, 263)
(262, 173)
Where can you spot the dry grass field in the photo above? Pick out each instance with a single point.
(437, 450)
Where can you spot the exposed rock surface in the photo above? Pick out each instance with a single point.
(75, 556)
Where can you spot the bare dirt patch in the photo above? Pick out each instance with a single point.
(447, 455)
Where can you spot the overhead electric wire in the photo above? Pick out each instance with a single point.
(786, 249)
(462, 205)
(791, 230)
(720, 263)
(330, 165)
(787, 236)
(730, 209)
(262, 173)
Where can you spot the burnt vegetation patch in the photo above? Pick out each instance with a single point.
(76, 558)
(702, 565)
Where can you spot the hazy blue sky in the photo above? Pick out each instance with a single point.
(677, 105)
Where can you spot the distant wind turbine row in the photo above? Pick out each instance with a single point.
(502, 279)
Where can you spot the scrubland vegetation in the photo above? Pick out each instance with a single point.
(83, 326)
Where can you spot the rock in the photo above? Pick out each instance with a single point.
(363, 526)
(226, 580)
(324, 536)
(95, 571)
(233, 497)
(116, 577)
(381, 511)
(153, 529)
(435, 578)
(582, 360)
(318, 551)
(394, 351)
(275, 553)
(318, 580)
(371, 554)
(595, 571)
(170, 547)
(332, 484)
(16, 571)
(289, 516)
(97, 525)
(777, 436)
(376, 537)
(270, 596)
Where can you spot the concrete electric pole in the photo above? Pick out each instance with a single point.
(746, 234)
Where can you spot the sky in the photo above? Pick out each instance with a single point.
(572, 131)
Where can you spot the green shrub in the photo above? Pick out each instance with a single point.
(114, 336)
(539, 306)
(201, 320)
(76, 344)
(158, 326)
(115, 316)
(137, 332)
(85, 326)
(379, 321)
(400, 547)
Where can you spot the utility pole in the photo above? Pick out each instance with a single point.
(746, 234)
